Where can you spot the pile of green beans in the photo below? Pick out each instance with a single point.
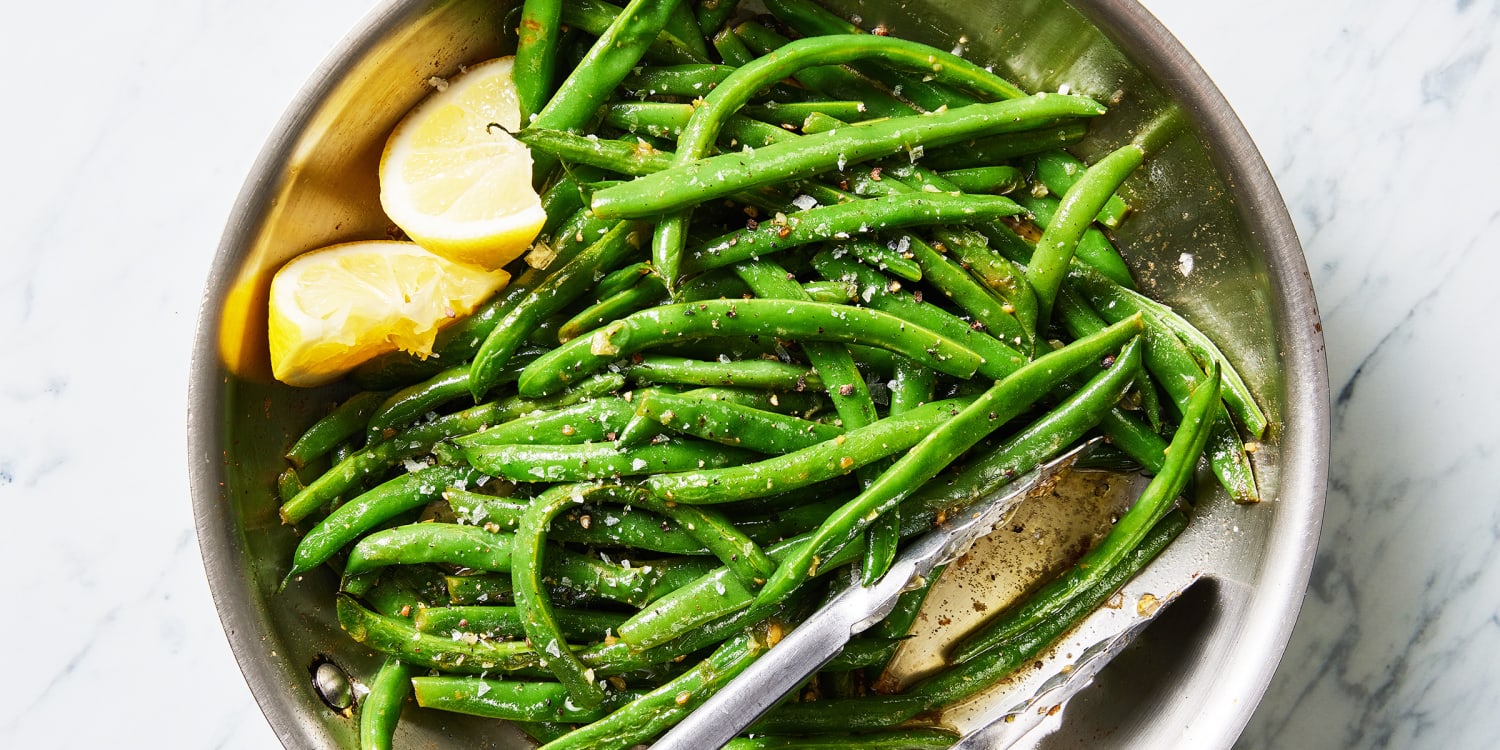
(810, 290)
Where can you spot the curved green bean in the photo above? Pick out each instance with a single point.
(786, 319)
(381, 707)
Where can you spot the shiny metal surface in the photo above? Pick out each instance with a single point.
(1191, 681)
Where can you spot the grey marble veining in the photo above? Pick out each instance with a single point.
(120, 166)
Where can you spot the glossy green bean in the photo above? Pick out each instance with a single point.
(740, 373)
(841, 221)
(592, 420)
(1054, 252)
(396, 637)
(352, 519)
(381, 707)
(817, 463)
(829, 81)
(342, 423)
(999, 149)
(596, 17)
(1000, 180)
(629, 157)
(1127, 533)
(503, 623)
(881, 293)
(732, 424)
(537, 617)
(694, 80)
(647, 293)
(583, 463)
(615, 53)
(511, 700)
(1001, 403)
(1178, 373)
(536, 54)
(713, 14)
(656, 711)
(551, 296)
(784, 319)
(1094, 249)
(410, 403)
(1058, 170)
(695, 181)
(595, 526)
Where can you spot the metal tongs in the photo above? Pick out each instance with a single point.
(819, 638)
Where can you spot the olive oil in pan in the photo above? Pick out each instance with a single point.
(1044, 536)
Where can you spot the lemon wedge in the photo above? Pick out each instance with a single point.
(454, 180)
(334, 308)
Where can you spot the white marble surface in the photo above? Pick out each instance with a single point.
(130, 127)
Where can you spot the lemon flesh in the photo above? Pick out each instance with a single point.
(455, 180)
(335, 308)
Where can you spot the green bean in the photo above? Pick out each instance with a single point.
(288, 484)
(830, 81)
(732, 424)
(713, 14)
(793, 114)
(809, 19)
(459, 343)
(583, 463)
(650, 714)
(1127, 533)
(620, 279)
(730, 95)
(615, 53)
(381, 707)
(817, 463)
(955, 684)
(741, 373)
(786, 319)
(683, 25)
(664, 120)
(839, 221)
(597, 527)
(1093, 249)
(409, 404)
(465, 546)
(352, 519)
(1237, 394)
(1002, 402)
(344, 422)
(625, 157)
(593, 420)
(998, 149)
(505, 622)
(731, 48)
(705, 179)
(536, 54)
(542, 629)
(880, 293)
(549, 297)
(596, 17)
(1178, 373)
(511, 700)
(1001, 180)
(396, 637)
(676, 80)
(646, 294)
(1049, 264)
(1058, 170)
(911, 386)
(901, 739)
(836, 368)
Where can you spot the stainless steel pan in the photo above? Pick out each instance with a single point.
(1190, 681)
